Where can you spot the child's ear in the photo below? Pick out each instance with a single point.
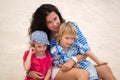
(59, 37)
(76, 37)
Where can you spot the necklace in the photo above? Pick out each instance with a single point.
(40, 56)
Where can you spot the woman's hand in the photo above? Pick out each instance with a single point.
(35, 75)
(68, 65)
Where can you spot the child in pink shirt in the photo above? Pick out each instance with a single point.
(38, 57)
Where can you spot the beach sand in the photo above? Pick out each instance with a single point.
(99, 21)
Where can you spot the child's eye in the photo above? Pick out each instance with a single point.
(45, 45)
(39, 46)
(73, 38)
(67, 38)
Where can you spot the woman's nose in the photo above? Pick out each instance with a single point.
(54, 23)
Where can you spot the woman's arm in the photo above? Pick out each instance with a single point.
(35, 75)
(95, 58)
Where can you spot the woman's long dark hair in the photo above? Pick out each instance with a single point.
(39, 18)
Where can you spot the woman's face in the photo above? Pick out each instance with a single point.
(53, 22)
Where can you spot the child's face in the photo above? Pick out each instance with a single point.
(40, 48)
(66, 40)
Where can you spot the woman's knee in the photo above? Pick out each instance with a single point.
(104, 72)
(103, 69)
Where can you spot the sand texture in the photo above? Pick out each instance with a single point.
(99, 21)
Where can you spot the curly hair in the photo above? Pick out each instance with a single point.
(39, 18)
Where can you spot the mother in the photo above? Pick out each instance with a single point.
(48, 18)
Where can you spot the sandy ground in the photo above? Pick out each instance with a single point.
(99, 21)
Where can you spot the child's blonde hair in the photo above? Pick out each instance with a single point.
(66, 28)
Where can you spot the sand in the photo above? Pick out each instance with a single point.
(98, 20)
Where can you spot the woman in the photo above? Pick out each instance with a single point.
(48, 18)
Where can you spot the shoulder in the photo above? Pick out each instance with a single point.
(73, 23)
(77, 28)
(26, 52)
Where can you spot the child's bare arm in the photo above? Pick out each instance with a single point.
(95, 58)
(27, 62)
(48, 74)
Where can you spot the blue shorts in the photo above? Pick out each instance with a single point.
(93, 73)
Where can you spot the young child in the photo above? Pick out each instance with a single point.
(38, 57)
(68, 47)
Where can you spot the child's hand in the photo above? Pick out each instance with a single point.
(76, 65)
(60, 65)
(32, 50)
(101, 63)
